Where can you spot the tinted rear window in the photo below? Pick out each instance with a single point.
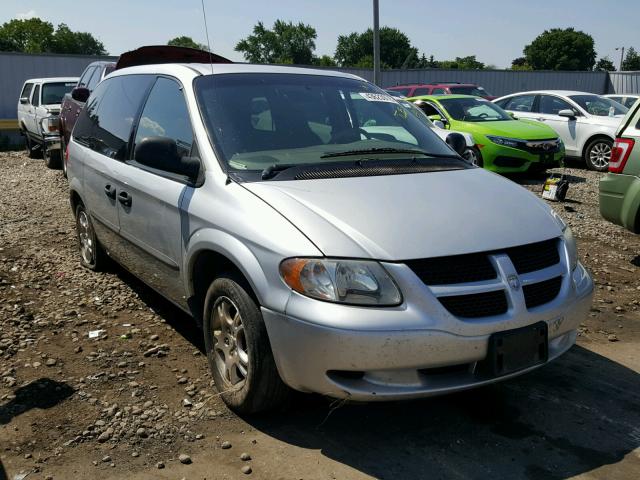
(52, 93)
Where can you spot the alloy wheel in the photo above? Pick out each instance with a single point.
(229, 342)
(470, 156)
(85, 234)
(600, 154)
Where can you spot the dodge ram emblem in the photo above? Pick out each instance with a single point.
(514, 282)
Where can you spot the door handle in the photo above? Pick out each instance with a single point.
(110, 191)
(125, 199)
(541, 119)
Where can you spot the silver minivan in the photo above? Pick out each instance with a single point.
(324, 237)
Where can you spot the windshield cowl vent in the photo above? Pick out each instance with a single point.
(364, 171)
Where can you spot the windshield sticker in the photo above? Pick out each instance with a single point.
(377, 97)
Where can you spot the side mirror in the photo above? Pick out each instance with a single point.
(438, 123)
(568, 113)
(80, 94)
(162, 153)
(436, 118)
(457, 142)
(24, 100)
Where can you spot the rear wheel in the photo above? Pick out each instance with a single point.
(598, 154)
(238, 348)
(92, 256)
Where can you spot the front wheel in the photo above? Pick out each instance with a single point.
(238, 348)
(473, 156)
(51, 157)
(598, 154)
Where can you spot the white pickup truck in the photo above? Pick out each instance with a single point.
(38, 111)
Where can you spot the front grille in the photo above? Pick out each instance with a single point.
(538, 146)
(486, 304)
(535, 256)
(537, 294)
(473, 267)
(503, 161)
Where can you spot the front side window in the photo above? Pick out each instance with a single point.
(165, 115)
(629, 102)
(84, 79)
(261, 120)
(599, 106)
(473, 109)
(521, 103)
(551, 105)
(110, 113)
(439, 91)
(26, 91)
(35, 99)
(420, 91)
(52, 93)
(403, 91)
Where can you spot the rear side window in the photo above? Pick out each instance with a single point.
(420, 91)
(105, 123)
(438, 91)
(165, 114)
(35, 100)
(403, 91)
(84, 79)
(521, 103)
(26, 90)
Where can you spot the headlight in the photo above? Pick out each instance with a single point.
(569, 241)
(354, 282)
(507, 142)
(50, 125)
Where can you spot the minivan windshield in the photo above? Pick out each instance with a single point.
(258, 120)
(600, 106)
(52, 93)
(469, 109)
(469, 90)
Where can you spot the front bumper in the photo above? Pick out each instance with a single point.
(415, 350)
(620, 200)
(52, 142)
(499, 158)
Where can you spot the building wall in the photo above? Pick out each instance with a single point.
(624, 82)
(15, 68)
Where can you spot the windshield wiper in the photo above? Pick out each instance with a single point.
(274, 169)
(381, 150)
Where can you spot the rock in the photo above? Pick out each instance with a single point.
(246, 469)
(104, 436)
(225, 445)
(182, 380)
(187, 403)
(135, 454)
(160, 465)
(142, 433)
(245, 457)
(184, 458)
(106, 458)
(51, 362)
(612, 337)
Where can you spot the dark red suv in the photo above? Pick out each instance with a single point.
(441, 88)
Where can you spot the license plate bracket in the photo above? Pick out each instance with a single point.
(514, 350)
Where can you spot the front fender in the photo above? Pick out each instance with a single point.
(262, 274)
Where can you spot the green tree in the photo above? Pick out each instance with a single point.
(396, 51)
(34, 35)
(188, 42)
(561, 49)
(325, 61)
(27, 36)
(284, 43)
(631, 60)
(67, 41)
(520, 63)
(605, 65)
(463, 63)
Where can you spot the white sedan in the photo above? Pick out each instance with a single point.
(585, 122)
(626, 99)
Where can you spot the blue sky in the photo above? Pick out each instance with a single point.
(494, 30)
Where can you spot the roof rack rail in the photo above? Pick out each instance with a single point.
(443, 83)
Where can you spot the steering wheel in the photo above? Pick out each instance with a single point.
(483, 115)
(366, 134)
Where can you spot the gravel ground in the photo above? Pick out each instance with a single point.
(99, 376)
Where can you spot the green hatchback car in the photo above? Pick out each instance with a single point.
(620, 188)
(503, 143)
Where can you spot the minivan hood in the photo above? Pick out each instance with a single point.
(402, 217)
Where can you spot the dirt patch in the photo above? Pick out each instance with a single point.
(100, 377)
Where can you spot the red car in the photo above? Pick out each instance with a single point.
(442, 88)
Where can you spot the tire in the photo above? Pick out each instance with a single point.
(598, 153)
(473, 156)
(31, 153)
(63, 151)
(238, 349)
(51, 157)
(92, 255)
